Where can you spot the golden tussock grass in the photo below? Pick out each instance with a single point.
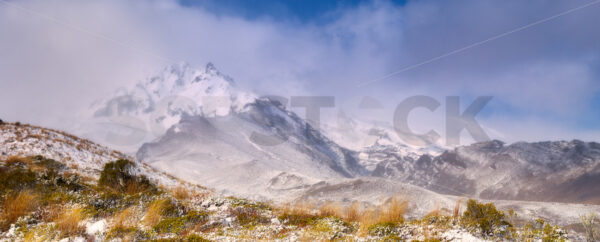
(298, 208)
(125, 219)
(15, 160)
(352, 212)
(134, 188)
(88, 179)
(28, 162)
(38, 235)
(154, 212)
(68, 222)
(331, 209)
(456, 210)
(393, 210)
(181, 193)
(366, 219)
(390, 211)
(51, 212)
(16, 206)
(31, 237)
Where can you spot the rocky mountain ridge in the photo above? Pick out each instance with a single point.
(258, 147)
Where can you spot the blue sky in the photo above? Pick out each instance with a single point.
(301, 11)
(545, 79)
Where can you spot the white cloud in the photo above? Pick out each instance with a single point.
(57, 56)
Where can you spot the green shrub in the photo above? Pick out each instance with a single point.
(248, 216)
(48, 163)
(191, 238)
(17, 179)
(484, 216)
(196, 238)
(553, 233)
(383, 229)
(170, 225)
(40, 175)
(118, 175)
(107, 202)
(127, 234)
(300, 220)
(178, 224)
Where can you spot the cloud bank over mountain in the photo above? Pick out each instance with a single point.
(59, 56)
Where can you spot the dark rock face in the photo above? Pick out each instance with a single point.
(558, 171)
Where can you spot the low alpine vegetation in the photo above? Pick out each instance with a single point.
(484, 218)
(42, 199)
(120, 176)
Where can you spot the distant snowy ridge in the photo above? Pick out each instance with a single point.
(375, 143)
(558, 171)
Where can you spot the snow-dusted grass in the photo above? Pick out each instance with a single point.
(181, 193)
(80, 211)
(155, 212)
(70, 203)
(15, 206)
(68, 222)
(82, 155)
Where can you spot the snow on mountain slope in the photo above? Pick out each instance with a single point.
(544, 171)
(356, 134)
(375, 142)
(84, 155)
(149, 108)
(227, 152)
(558, 171)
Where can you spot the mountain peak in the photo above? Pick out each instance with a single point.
(176, 91)
(210, 67)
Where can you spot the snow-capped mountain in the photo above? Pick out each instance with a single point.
(145, 111)
(231, 140)
(226, 138)
(243, 151)
(208, 92)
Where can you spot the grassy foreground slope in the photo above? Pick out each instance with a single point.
(54, 186)
(42, 199)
